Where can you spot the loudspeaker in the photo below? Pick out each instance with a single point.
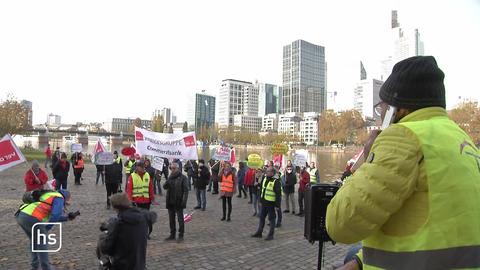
(317, 198)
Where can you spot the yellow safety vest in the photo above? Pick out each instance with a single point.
(450, 237)
(129, 166)
(41, 210)
(141, 186)
(313, 175)
(268, 193)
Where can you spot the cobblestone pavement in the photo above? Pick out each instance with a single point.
(209, 243)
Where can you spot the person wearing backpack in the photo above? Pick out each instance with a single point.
(42, 206)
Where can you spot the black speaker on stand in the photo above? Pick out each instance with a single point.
(317, 198)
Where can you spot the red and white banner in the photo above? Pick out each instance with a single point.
(167, 145)
(98, 148)
(10, 155)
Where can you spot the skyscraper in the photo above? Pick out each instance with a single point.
(304, 78)
(235, 97)
(201, 111)
(406, 43)
(27, 105)
(268, 98)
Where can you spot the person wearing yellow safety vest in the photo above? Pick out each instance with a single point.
(415, 202)
(314, 174)
(140, 187)
(49, 208)
(271, 198)
(128, 168)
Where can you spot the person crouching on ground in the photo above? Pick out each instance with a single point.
(176, 187)
(126, 239)
(49, 208)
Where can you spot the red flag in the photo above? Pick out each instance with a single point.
(99, 147)
(10, 155)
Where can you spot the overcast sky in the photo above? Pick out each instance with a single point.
(94, 60)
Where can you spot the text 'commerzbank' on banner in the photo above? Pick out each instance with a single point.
(167, 145)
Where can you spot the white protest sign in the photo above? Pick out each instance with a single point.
(300, 157)
(104, 158)
(222, 153)
(10, 155)
(157, 163)
(167, 145)
(76, 147)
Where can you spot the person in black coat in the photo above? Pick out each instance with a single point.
(176, 187)
(215, 167)
(201, 183)
(60, 172)
(113, 177)
(126, 238)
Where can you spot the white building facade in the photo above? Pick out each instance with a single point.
(252, 123)
(366, 95)
(230, 101)
(270, 122)
(309, 128)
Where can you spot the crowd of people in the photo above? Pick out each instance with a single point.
(263, 187)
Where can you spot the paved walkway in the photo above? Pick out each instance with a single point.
(209, 243)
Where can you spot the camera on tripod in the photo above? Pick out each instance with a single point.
(317, 198)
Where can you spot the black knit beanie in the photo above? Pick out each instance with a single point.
(415, 83)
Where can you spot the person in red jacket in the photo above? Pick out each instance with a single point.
(248, 182)
(48, 156)
(304, 180)
(35, 177)
(140, 187)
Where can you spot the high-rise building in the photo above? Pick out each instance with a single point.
(366, 95)
(304, 78)
(27, 105)
(250, 101)
(252, 123)
(235, 97)
(167, 115)
(363, 72)
(268, 98)
(53, 119)
(406, 43)
(201, 111)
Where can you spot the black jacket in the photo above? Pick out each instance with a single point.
(60, 173)
(277, 188)
(126, 240)
(166, 164)
(113, 173)
(290, 181)
(151, 171)
(177, 191)
(203, 178)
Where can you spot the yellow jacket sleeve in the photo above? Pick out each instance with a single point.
(377, 189)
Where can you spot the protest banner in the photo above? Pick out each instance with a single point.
(167, 145)
(222, 153)
(279, 148)
(76, 147)
(104, 158)
(10, 155)
(157, 163)
(300, 157)
(254, 161)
